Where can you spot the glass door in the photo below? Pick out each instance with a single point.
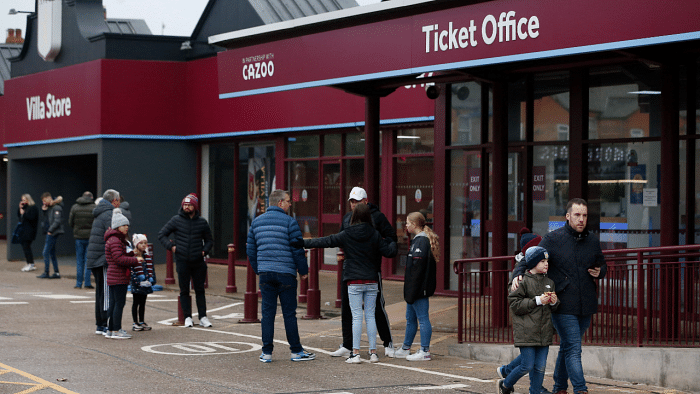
(331, 207)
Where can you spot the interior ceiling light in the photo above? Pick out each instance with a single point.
(645, 92)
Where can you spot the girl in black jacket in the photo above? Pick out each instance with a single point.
(363, 247)
(419, 284)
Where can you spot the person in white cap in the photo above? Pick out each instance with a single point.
(358, 195)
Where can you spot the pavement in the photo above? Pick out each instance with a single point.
(443, 316)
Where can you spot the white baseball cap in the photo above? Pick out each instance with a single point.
(358, 194)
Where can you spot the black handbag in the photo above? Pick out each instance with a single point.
(16, 234)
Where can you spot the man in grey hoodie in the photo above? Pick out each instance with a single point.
(52, 226)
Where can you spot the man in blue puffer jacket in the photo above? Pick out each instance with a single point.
(274, 249)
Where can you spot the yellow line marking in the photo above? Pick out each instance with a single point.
(42, 383)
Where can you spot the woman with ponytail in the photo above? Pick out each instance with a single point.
(419, 284)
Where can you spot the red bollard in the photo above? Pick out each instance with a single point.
(313, 305)
(304, 283)
(231, 286)
(169, 275)
(250, 299)
(341, 259)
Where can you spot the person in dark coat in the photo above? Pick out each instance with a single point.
(191, 240)
(28, 214)
(52, 226)
(364, 247)
(96, 260)
(358, 195)
(80, 219)
(576, 261)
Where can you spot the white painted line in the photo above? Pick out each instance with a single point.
(5, 298)
(169, 322)
(235, 315)
(34, 292)
(13, 303)
(60, 296)
(147, 301)
(83, 302)
(445, 387)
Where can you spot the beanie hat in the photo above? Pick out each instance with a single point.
(528, 239)
(138, 238)
(118, 219)
(534, 255)
(191, 199)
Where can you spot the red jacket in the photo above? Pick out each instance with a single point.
(118, 261)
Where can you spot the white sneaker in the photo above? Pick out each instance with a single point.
(354, 359)
(373, 358)
(204, 322)
(420, 355)
(341, 352)
(29, 267)
(389, 351)
(401, 352)
(188, 322)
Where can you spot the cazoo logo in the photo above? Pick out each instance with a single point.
(258, 70)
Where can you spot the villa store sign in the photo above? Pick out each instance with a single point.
(52, 107)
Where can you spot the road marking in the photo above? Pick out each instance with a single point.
(234, 315)
(445, 387)
(169, 322)
(203, 348)
(13, 303)
(60, 296)
(5, 298)
(41, 383)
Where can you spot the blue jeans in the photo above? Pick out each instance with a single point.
(357, 294)
(533, 360)
(80, 259)
(50, 253)
(418, 311)
(568, 367)
(284, 286)
(507, 369)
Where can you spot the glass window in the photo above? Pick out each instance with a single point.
(354, 176)
(221, 169)
(332, 144)
(619, 176)
(465, 208)
(414, 140)
(551, 106)
(303, 185)
(301, 147)
(550, 191)
(466, 114)
(517, 114)
(355, 144)
(624, 101)
(414, 193)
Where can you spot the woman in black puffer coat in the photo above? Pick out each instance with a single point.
(363, 247)
(28, 214)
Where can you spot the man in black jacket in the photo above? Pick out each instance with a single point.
(358, 195)
(575, 261)
(80, 219)
(191, 241)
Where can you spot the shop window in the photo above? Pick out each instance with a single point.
(550, 191)
(551, 106)
(301, 147)
(332, 144)
(355, 144)
(414, 140)
(303, 187)
(221, 168)
(466, 112)
(414, 193)
(623, 98)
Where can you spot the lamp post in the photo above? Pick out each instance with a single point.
(15, 12)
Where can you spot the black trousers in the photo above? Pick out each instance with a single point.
(138, 308)
(380, 316)
(101, 302)
(195, 271)
(27, 249)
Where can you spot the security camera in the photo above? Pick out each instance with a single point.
(432, 92)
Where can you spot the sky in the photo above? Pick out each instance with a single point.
(167, 17)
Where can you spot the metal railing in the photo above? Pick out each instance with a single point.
(649, 297)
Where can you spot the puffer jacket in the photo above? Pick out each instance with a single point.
(190, 235)
(30, 220)
(363, 247)
(420, 279)
(52, 219)
(119, 261)
(532, 323)
(379, 221)
(103, 221)
(275, 244)
(80, 217)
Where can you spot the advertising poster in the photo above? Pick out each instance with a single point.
(637, 175)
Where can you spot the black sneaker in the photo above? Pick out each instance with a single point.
(502, 389)
(45, 275)
(56, 275)
(137, 327)
(89, 287)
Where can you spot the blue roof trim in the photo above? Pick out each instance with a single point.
(219, 135)
(474, 63)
